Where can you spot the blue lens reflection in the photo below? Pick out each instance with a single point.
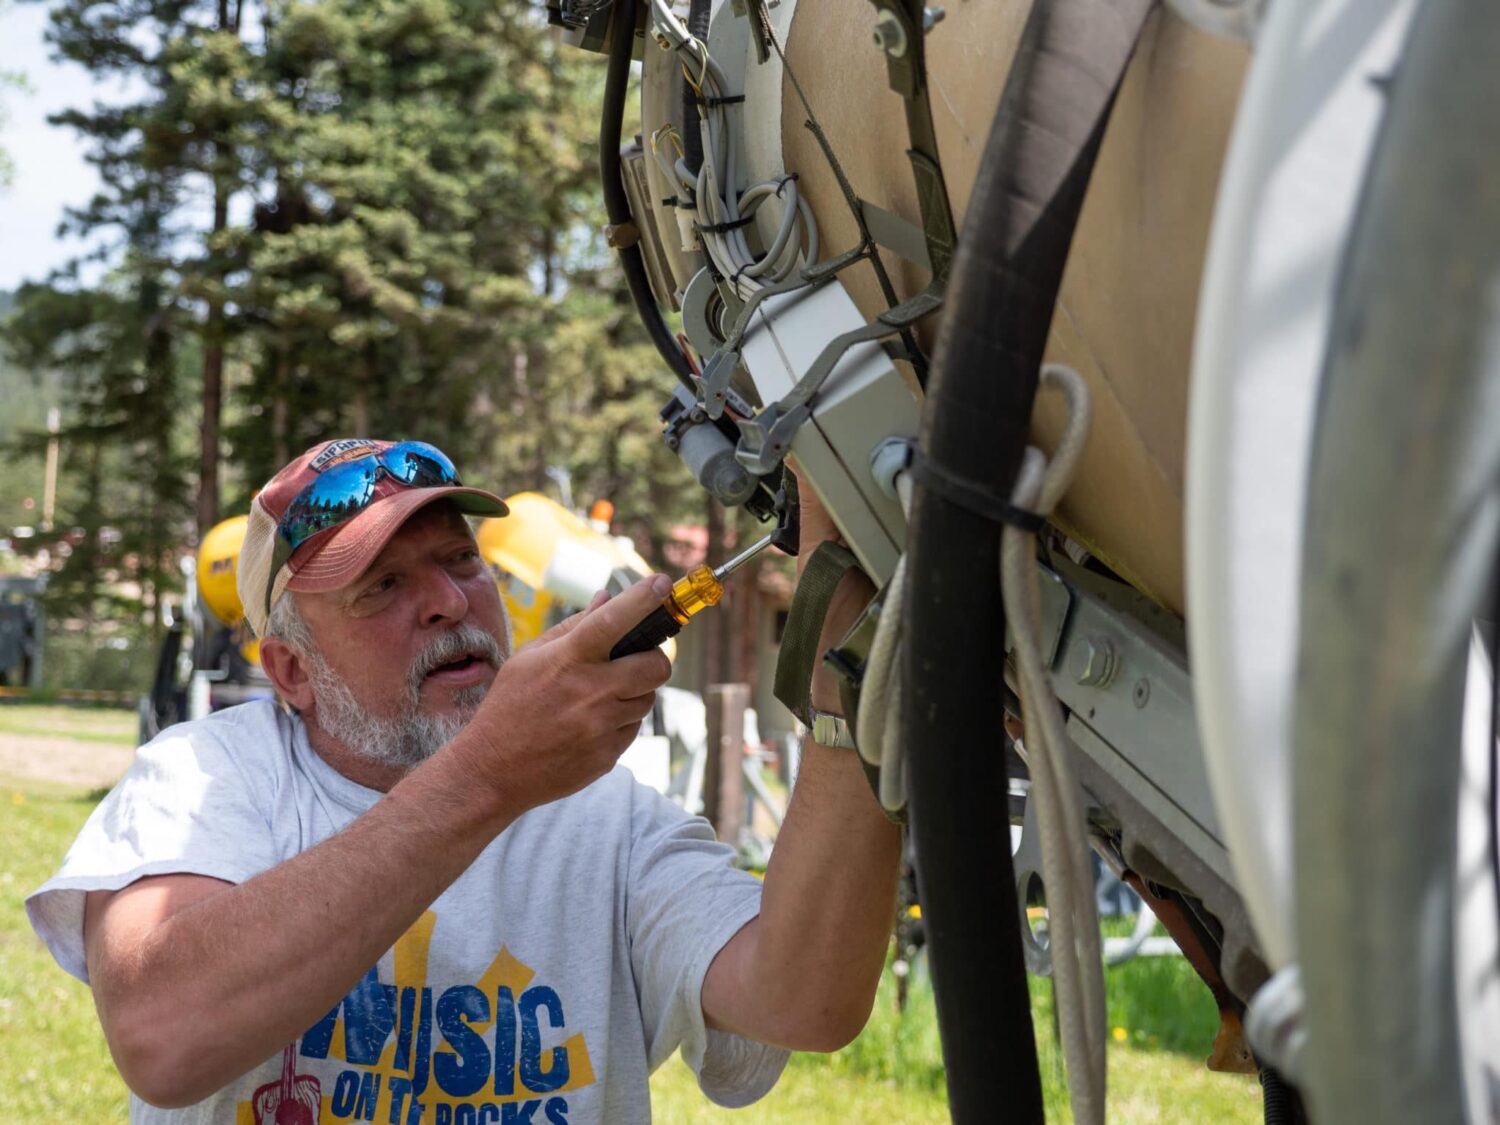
(335, 496)
(417, 463)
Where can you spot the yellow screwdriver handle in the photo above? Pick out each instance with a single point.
(695, 591)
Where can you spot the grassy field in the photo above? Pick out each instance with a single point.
(82, 724)
(54, 1066)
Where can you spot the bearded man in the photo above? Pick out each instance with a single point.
(418, 889)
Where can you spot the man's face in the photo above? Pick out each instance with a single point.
(406, 652)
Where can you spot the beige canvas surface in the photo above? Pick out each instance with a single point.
(1125, 316)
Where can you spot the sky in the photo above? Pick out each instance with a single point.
(50, 171)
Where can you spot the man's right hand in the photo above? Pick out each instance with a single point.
(560, 712)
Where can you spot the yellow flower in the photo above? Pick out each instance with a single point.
(18, 798)
(1119, 1034)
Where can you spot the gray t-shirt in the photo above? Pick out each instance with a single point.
(543, 986)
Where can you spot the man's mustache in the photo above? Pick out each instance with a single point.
(455, 644)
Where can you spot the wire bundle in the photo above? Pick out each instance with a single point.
(724, 215)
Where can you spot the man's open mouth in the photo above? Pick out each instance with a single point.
(460, 664)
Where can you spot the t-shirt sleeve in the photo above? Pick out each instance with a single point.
(184, 806)
(686, 900)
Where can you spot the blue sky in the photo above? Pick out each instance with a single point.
(50, 171)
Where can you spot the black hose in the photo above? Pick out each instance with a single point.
(617, 203)
(1006, 276)
(692, 138)
(1280, 1103)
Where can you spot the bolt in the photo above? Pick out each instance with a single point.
(1094, 661)
(1142, 692)
(931, 17)
(697, 414)
(890, 35)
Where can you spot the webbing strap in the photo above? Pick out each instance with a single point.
(804, 625)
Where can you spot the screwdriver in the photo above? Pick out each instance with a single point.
(693, 593)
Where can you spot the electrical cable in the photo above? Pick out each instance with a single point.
(617, 203)
(1067, 871)
(708, 188)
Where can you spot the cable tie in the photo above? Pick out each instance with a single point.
(781, 184)
(979, 499)
(720, 228)
(669, 201)
(712, 103)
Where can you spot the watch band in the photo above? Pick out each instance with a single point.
(830, 730)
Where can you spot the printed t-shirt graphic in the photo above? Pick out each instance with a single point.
(414, 1052)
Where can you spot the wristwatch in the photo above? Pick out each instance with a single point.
(830, 730)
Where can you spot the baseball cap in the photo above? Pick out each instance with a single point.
(320, 522)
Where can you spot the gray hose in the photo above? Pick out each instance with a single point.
(1402, 524)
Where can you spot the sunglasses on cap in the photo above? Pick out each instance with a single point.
(343, 491)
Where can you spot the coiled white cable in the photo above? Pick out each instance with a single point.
(720, 209)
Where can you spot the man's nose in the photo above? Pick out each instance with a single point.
(443, 599)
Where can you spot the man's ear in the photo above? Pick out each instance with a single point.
(287, 669)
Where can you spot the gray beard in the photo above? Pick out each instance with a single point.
(411, 736)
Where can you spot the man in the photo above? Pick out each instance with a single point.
(420, 891)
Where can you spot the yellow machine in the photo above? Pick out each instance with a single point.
(218, 558)
(549, 562)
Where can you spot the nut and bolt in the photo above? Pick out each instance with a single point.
(890, 35)
(931, 17)
(1094, 661)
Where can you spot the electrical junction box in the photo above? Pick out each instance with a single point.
(863, 402)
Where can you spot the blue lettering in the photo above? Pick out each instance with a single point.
(489, 1114)
(403, 1037)
(414, 1112)
(464, 1115)
(522, 1113)
(345, 1090)
(399, 1088)
(533, 1076)
(369, 1094)
(505, 1041)
(444, 1114)
(424, 1046)
(557, 1111)
(369, 1015)
(463, 1073)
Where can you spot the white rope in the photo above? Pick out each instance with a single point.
(1072, 916)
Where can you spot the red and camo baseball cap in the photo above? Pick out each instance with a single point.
(320, 522)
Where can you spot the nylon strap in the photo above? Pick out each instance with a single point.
(804, 626)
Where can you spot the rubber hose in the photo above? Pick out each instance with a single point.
(692, 137)
(1006, 276)
(617, 203)
(1280, 1103)
(1402, 523)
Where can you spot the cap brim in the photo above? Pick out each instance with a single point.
(352, 546)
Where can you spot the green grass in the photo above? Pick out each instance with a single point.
(83, 724)
(54, 1066)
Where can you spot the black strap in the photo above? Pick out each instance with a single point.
(728, 99)
(970, 495)
(719, 228)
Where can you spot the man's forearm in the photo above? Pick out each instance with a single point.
(210, 990)
(803, 974)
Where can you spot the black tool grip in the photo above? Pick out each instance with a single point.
(655, 628)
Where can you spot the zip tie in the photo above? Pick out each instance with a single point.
(720, 228)
(714, 103)
(979, 499)
(781, 184)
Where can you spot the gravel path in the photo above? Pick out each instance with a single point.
(58, 758)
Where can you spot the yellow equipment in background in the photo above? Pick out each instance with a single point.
(550, 563)
(218, 558)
